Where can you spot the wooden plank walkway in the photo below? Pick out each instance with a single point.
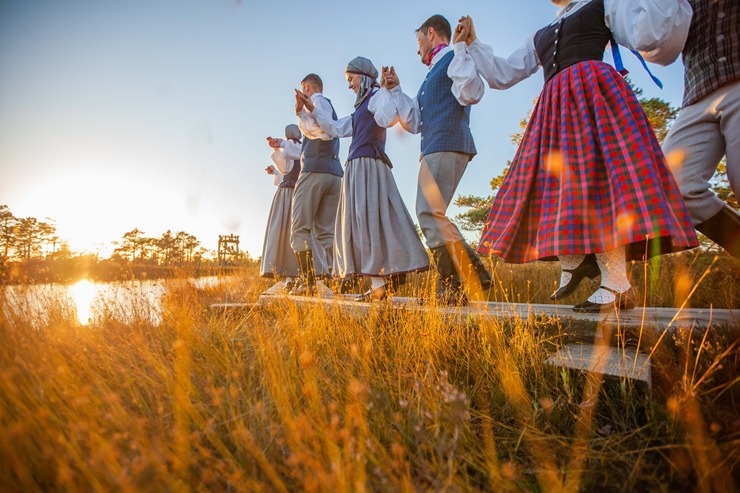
(619, 362)
(600, 356)
(637, 317)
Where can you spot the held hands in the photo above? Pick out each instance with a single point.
(275, 143)
(464, 31)
(270, 170)
(303, 101)
(388, 79)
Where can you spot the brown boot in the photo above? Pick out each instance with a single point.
(723, 228)
(467, 262)
(306, 285)
(449, 288)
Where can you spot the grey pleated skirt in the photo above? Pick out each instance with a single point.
(278, 258)
(374, 234)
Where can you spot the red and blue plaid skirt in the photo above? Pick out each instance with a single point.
(588, 177)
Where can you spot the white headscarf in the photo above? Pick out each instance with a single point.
(292, 132)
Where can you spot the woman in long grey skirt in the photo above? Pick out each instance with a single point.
(278, 259)
(374, 234)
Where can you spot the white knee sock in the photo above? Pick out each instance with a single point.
(377, 282)
(613, 267)
(569, 262)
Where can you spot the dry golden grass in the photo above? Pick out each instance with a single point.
(293, 399)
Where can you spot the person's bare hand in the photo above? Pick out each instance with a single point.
(390, 79)
(305, 101)
(465, 27)
(298, 101)
(270, 170)
(274, 142)
(462, 31)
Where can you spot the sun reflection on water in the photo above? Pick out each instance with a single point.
(83, 294)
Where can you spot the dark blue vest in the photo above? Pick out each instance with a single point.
(322, 156)
(291, 178)
(368, 138)
(445, 123)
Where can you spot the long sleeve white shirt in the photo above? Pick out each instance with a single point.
(283, 157)
(467, 87)
(291, 150)
(385, 117)
(308, 124)
(652, 26)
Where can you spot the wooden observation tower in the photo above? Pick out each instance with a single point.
(228, 249)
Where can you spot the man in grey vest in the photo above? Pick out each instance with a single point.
(441, 113)
(708, 125)
(318, 187)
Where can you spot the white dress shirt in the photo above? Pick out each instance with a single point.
(284, 157)
(307, 123)
(651, 26)
(467, 87)
(291, 150)
(384, 117)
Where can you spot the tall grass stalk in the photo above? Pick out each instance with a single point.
(290, 398)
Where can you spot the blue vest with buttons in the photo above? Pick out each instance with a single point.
(445, 123)
(368, 138)
(322, 156)
(291, 178)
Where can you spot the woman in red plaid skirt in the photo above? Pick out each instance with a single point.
(589, 185)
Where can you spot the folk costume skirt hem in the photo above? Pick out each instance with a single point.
(589, 176)
(374, 234)
(278, 258)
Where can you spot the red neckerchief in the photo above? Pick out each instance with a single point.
(436, 50)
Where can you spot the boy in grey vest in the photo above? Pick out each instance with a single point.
(318, 187)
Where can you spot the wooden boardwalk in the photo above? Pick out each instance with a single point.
(637, 317)
(602, 356)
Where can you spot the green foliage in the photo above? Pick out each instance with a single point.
(660, 115)
(721, 186)
(475, 216)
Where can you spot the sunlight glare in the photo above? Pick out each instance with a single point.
(675, 159)
(83, 293)
(554, 163)
(625, 222)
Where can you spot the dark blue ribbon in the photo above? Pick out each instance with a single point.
(619, 65)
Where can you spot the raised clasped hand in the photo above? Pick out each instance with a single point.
(464, 31)
(389, 78)
(303, 101)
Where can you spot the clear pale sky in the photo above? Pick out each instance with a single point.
(152, 114)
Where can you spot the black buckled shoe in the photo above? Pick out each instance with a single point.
(588, 268)
(622, 301)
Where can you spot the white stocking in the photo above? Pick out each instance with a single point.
(377, 282)
(569, 262)
(613, 267)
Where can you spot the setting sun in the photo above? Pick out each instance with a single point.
(83, 294)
